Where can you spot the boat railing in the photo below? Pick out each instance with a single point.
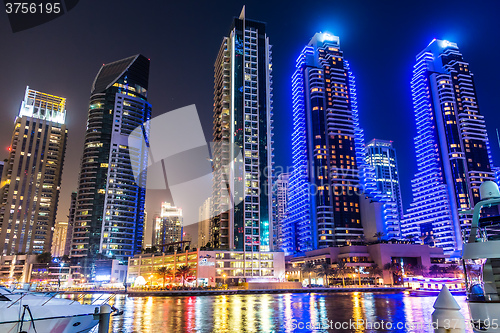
(17, 300)
(481, 235)
(78, 299)
(53, 296)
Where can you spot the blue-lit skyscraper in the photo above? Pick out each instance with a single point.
(327, 151)
(381, 155)
(451, 146)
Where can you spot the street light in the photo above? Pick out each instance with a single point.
(61, 265)
(224, 276)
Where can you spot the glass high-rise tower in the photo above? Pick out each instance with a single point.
(327, 151)
(32, 175)
(451, 146)
(381, 155)
(280, 210)
(168, 226)
(242, 154)
(71, 223)
(109, 214)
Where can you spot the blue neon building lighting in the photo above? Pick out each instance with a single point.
(330, 174)
(451, 146)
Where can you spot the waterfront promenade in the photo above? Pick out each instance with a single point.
(139, 293)
(211, 292)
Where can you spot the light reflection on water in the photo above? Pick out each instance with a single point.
(275, 313)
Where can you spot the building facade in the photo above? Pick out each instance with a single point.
(209, 268)
(359, 258)
(32, 175)
(381, 156)
(168, 226)
(71, 223)
(204, 219)
(59, 239)
(110, 271)
(16, 268)
(451, 146)
(242, 154)
(109, 214)
(280, 202)
(327, 151)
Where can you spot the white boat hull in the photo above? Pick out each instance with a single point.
(487, 314)
(45, 315)
(76, 324)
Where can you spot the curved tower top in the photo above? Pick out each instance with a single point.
(110, 73)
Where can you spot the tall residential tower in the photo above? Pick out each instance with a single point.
(327, 151)
(109, 214)
(280, 210)
(32, 175)
(168, 226)
(381, 155)
(451, 146)
(71, 224)
(242, 155)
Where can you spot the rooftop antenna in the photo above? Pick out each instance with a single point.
(242, 14)
(498, 138)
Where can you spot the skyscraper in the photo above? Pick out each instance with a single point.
(59, 239)
(71, 223)
(242, 154)
(32, 174)
(327, 151)
(280, 201)
(451, 146)
(168, 226)
(110, 202)
(381, 155)
(204, 218)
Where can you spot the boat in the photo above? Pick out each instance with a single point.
(35, 313)
(427, 286)
(481, 259)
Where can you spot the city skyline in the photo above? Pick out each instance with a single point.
(390, 120)
(249, 166)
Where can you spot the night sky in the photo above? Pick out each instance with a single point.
(182, 38)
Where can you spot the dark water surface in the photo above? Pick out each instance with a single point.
(308, 312)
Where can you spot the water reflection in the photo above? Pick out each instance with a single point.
(309, 312)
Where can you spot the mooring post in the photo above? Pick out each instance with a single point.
(446, 317)
(104, 315)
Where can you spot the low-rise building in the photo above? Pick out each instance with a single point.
(359, 258)
(110, 271)
(21, 269)
(209, 268)
(53, 274)
(16, 268)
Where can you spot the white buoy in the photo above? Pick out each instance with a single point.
(446, 317)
